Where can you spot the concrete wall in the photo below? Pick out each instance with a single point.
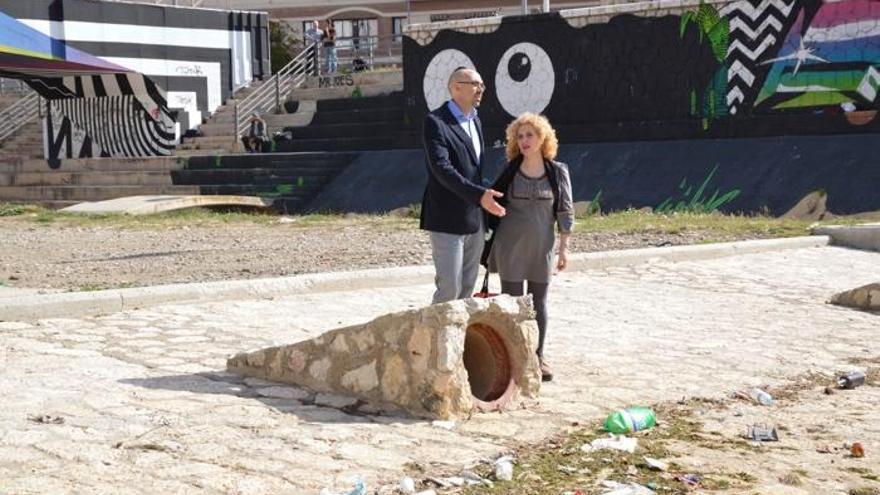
(665, 70)
(651, 173)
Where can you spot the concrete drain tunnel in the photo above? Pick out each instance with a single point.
(488, 365)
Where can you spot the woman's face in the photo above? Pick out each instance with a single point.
(528, 141)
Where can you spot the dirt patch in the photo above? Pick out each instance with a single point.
(57, 255)
(705, 448)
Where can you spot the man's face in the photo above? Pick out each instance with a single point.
(467, 88)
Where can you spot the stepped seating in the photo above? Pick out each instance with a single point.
(25, 179)
(218, 133)
(291, 179)
(355, 124)
(26, 141)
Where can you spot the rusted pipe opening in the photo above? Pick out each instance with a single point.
(487, 363)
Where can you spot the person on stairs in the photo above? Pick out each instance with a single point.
(257, 137)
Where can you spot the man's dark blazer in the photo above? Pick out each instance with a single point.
(451, 203)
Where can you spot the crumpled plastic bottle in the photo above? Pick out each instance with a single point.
(761, 397)
(360, 487)
(630, 419)
(504, 469)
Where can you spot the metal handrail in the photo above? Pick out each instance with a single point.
(13, 86)
(370, 48)
(22, 112)
(268, 96)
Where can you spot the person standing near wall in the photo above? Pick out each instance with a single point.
(537, 196)
(313, 38)
(329, 45)
(451, 205)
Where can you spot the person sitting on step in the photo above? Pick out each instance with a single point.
(257, 137)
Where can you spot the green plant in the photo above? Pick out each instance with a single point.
(693, 201)
(283, 44)
(357, 93)
(595, 204)
(711, 25)
(45, 216)
(11, 209)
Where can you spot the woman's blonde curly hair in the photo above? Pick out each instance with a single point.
(542, 127)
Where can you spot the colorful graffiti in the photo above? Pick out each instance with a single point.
(830, 57)
(709, 68)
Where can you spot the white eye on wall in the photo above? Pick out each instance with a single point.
(525, 79)
(437, 75)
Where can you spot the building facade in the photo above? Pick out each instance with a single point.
(385, 19)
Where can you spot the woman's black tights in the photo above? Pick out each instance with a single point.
(539, 299)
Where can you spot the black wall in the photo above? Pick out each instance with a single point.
(654, 78)
(770, 174)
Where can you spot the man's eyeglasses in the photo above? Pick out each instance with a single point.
(473, 84)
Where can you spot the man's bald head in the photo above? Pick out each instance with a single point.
(466, 88)
(462, 73)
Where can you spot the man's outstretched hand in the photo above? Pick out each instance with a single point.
(489, 204)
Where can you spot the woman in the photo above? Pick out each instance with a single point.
(256, 138)
(329, 43)
(537, 195)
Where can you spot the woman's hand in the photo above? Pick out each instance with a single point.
(562, 252)
(562, 260)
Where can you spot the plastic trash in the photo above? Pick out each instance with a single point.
(360, 488)
(626, 489)
(407, 485)
(857, 450)
(689, 479)
(851, 380)
(504, 471)
(621, 443)
(761, 397)
(760, 433)
(630, 419)
(656, 464)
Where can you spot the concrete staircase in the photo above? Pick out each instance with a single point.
(218, 133)
(326, 137)
(29, 180)
(356, 124)
(290, 179)
(326, 117)
(27, 142)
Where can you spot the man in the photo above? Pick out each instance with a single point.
(314, 35)
(454, 195)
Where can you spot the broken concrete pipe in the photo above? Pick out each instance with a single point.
(441, 361)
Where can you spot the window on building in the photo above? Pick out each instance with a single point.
(355, 33)
(397, 25)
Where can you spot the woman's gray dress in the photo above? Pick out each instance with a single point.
(523, 248)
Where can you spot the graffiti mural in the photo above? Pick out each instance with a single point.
(671, 70)
(203, 54)
(830, 57)
(111, 115)
(117, 126)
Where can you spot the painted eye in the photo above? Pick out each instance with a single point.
(437, 75)
(525, 79)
